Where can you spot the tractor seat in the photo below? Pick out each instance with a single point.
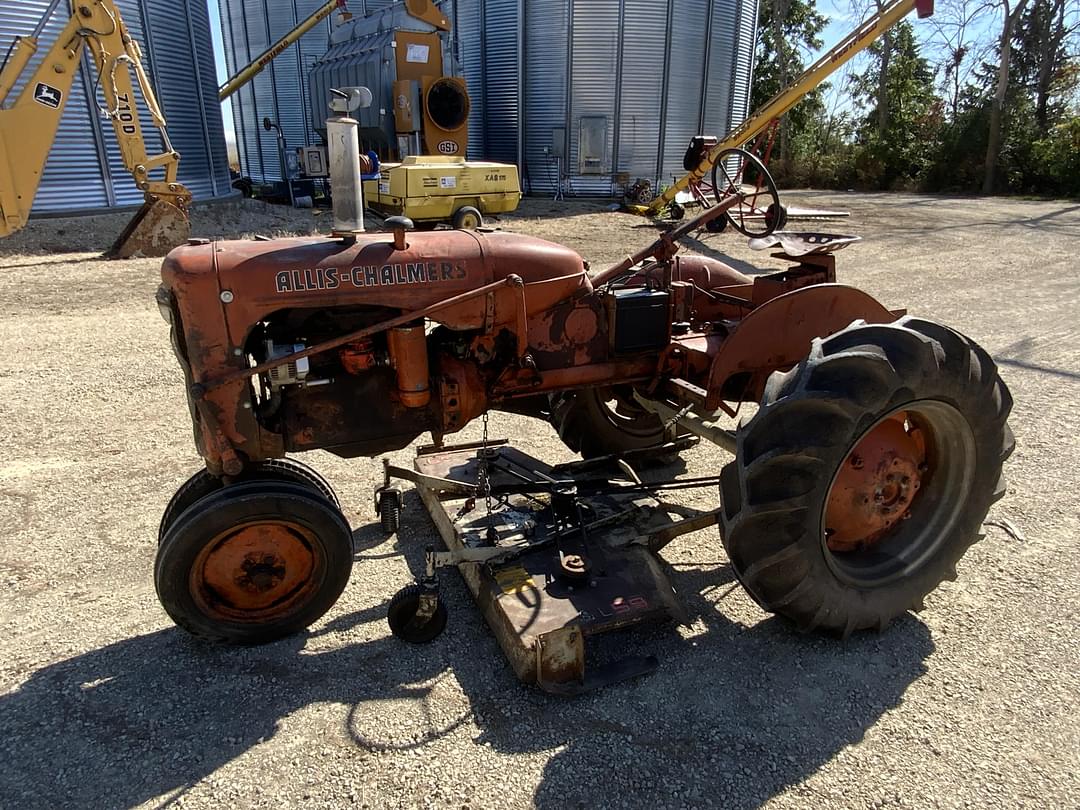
(804, 243)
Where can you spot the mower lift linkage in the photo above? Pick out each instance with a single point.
(568, 489)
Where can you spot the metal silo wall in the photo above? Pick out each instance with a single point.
(487, 40)
(468, 39)
(502, 88)
(280, 92)
(545, 82)
(84, 170)
(594, 74)
(177, 33)
(641, 86)
(660, 71)
(362, 7)
(686, 73)
(743, 72)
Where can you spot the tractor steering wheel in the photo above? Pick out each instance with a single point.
(758, 212)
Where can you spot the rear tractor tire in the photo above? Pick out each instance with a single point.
(602, 421)
(866, 474)
(251, 563)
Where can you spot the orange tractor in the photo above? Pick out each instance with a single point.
(863, 476)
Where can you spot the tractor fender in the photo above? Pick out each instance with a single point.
(778, 334)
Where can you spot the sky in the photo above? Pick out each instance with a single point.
(222, 72)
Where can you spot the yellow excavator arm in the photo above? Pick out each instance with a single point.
(28, 124)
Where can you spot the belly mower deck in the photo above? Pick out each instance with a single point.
(555, 557)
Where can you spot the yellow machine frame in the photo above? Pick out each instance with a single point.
(256, 66)
(868, 31)
(28, 126)
(434, 188)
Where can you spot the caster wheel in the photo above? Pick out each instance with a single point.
(403, 621)
(677, 211)
(716, 225)
(776, 217)
(390, 511)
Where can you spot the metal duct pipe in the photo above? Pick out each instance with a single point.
(343, 146)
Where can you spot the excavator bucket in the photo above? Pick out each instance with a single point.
(156, 228)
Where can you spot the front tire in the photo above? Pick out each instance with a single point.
(866, 474)
(252, 563)
(202, 483)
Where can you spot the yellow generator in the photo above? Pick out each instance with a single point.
(430, 189)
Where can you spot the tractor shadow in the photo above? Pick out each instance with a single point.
(734, 715)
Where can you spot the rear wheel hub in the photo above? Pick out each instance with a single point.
(876, 485)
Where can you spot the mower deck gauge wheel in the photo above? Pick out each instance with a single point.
(404, 623)
(390, 511)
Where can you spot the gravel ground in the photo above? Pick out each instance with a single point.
(103, 703)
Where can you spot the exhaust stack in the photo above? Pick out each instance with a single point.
(343, 147)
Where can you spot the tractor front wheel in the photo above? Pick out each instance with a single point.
(866, 474)
(251, 563)
(202, 483)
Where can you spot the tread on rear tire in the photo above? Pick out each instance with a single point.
(811, 418)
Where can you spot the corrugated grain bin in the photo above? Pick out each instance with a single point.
(84, 170)
(599, 89)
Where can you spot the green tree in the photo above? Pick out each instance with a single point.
(899, 155)
(1011, 11)
(1041, 62)
(786, 30)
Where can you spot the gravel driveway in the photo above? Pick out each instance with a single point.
(103, 703)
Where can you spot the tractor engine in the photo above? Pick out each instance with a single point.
(367, 396)
(236, 312)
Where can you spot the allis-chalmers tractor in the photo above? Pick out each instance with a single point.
(862, 477)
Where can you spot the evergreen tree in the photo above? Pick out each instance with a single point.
(785, 29)
(900, 154)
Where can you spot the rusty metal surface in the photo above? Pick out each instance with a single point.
(778, 334)
(409, 357)
(155, 229)
(530, 323)
(255, 571)
(875, 485)
(542, 619)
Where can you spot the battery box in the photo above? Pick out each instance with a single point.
(640, 319)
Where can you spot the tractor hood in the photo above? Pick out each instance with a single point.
(250, 278)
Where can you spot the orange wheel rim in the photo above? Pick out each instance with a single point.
(876, 485)
(256, 571)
